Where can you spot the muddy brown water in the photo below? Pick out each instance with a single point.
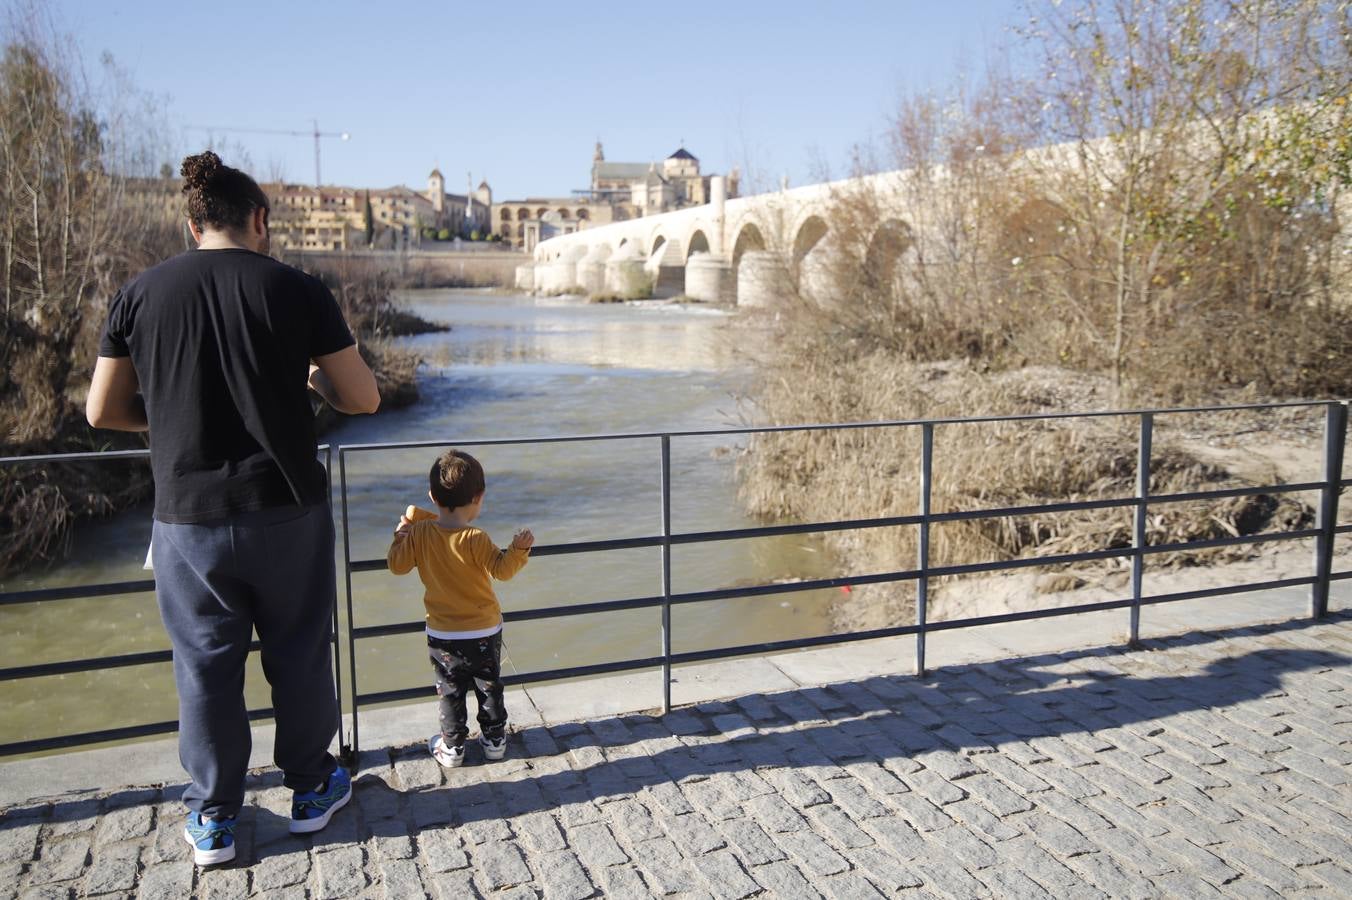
(512, 367)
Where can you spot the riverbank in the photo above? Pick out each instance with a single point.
(813, 476)
(41, 504)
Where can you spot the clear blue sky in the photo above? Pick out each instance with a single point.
(518, 92)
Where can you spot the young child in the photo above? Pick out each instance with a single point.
(456, 563)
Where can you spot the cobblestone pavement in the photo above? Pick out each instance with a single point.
(1201, 765)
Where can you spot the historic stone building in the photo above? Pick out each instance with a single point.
(618, 191)
(334, 218)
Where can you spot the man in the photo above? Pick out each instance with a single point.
(212, 352)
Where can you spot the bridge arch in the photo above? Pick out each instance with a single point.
(808, 236)
(698, 243)
(889, 243)
(749, 237)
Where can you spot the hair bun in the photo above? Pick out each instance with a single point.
(199, 170)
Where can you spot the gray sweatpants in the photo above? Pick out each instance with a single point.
(270, 571)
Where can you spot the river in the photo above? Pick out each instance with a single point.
(511, 367)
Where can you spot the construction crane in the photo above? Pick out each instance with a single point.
(314, 133)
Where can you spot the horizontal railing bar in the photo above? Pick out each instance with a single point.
(624, 665)
(75, 457)
(1343, 529)
(37, 745)
(839, 581)
(696, 537)
(1231, 541)
(76, 592)
(1003, 512)
(1340, 576)
(700, 537)
(380, 565)
(1229, 589)
(828, 639)
(519, 615)
(581, 609)
(1025, 615)
(87, 665)
(693, 537)
(1027, 562)
(99, 663)
(792, 644)
(142, 453)
(834, 426)
(790, 587)
(1221, 493)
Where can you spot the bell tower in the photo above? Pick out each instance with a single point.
(436, 190)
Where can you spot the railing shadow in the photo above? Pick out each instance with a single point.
(888, 721)
(897, 724)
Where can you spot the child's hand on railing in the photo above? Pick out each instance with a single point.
(523, 540)
(406, 521)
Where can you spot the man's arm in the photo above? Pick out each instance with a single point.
(344, 380)
(114, 401)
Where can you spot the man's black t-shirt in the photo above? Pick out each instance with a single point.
(221, 342)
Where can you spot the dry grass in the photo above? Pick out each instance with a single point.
(824, 476)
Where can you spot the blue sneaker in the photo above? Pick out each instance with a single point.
(213, 840)
(311, 810)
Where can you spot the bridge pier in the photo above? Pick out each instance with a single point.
(708, 278)
(560, 275)
(525, 277)
(815, 276)
(591, 271)
(761, 278)
(624, 274)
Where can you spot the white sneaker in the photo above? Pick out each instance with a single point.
(447, 755)
(494, 749)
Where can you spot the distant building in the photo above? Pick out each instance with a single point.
(334, 218)
(650, 188)
(524, 223)
(618, 191)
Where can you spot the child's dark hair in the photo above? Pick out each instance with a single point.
(219, 196)
(456, 479)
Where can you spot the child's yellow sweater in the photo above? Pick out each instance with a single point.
(455, 565)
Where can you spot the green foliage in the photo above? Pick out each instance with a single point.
(444, 234)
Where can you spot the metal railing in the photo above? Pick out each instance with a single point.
(102, 663)
(1324, 532)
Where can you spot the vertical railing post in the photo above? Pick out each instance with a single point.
(347, 578)
(1138, 525)
(666, 574)
(922, 548)
(334, 642)
(1335, 434)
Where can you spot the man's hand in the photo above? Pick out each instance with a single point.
(344, 380)
(523, 540)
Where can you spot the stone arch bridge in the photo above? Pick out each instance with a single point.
(741, 250)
